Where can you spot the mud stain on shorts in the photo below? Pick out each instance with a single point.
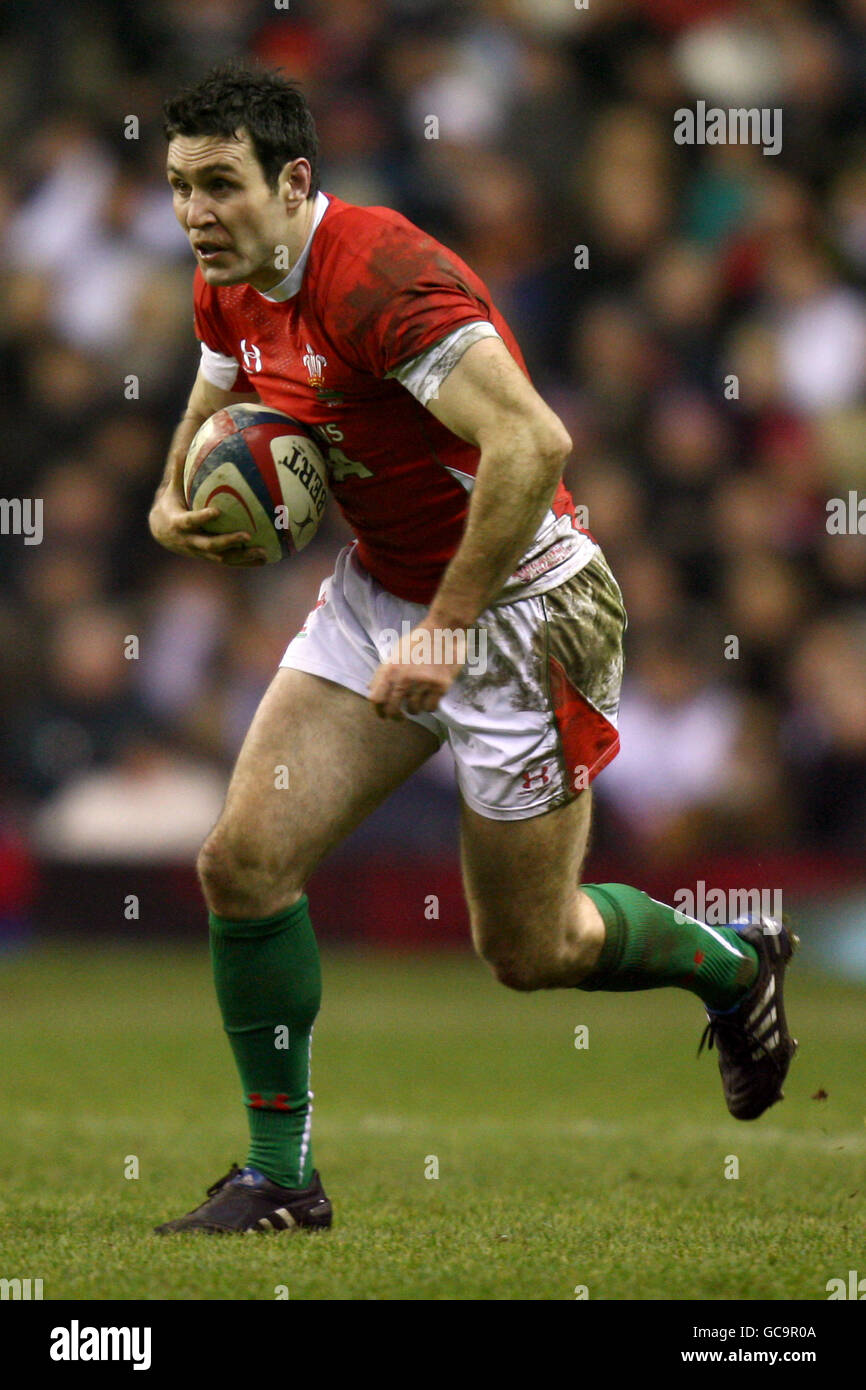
(580, 623)
(507, 669)
(586, 620)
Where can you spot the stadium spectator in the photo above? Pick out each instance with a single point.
(705, 264)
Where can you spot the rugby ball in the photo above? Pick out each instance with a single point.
(266, 474)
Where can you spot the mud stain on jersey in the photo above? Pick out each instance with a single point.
(400, 292)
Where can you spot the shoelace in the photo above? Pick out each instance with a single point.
(740, 1041)
(221, 1182)
(708, 1037)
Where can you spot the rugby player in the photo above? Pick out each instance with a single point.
(448, 466)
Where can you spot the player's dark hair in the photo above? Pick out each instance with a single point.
(269, 107)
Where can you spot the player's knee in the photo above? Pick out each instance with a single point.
(515, 972)
(514, 969)
(510, 959)
(219, 871)
(237, 880)
(532, 952)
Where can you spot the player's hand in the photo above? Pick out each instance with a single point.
(174, 526)
(409, 684)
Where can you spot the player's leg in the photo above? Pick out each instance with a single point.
(315, 762)
(529, 920)
(539, 928)
(528, 735)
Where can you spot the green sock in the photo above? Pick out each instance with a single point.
(269, 987)
(645, 947)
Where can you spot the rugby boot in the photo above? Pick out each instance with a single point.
(245, 1200)
(754, 1046)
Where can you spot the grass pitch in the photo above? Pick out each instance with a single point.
(558, 1167)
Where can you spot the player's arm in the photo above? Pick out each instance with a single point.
(171, 522)
(488, 401)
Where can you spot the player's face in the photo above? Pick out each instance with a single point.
(233, 219)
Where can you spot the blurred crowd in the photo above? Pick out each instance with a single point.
(707, 352)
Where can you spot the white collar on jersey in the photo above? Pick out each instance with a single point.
(289, 287)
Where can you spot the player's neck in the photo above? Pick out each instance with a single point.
(300, 227)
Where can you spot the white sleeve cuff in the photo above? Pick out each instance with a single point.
(424, 374)
(218, 369)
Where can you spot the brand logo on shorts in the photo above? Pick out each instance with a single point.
(533, 780)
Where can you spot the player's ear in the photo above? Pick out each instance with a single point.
(293, 184)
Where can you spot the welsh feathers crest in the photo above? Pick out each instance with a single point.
(315, 364)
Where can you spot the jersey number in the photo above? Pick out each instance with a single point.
(339, 466)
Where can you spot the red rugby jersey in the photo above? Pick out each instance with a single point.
(375, 292)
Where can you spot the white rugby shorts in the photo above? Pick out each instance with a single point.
(532, 717)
